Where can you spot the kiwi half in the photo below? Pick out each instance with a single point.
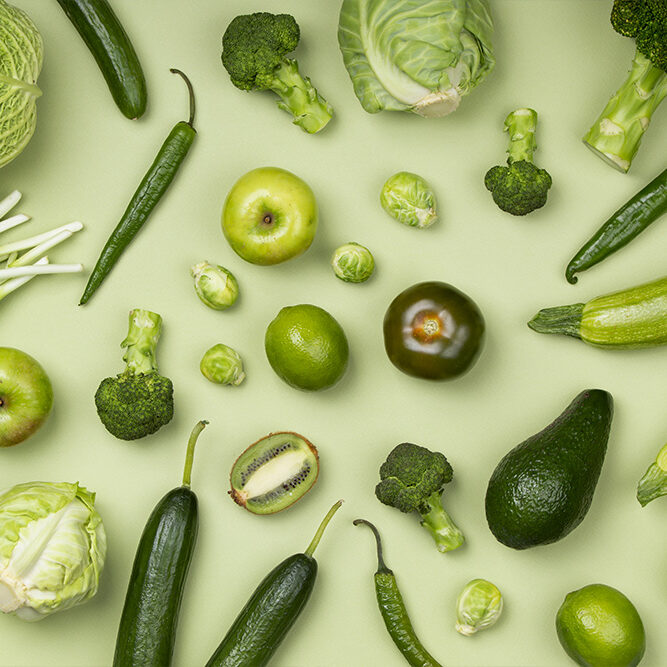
(275, 472)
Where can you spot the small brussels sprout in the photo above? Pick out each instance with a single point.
(410, 199)
(478, 606)
(215, 285)
(222, 365)
(353, 263)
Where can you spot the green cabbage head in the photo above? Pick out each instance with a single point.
(21, 55)
(415, 55)
(52, 548)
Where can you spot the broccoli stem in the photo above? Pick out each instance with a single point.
(616, 134)
(141, 341)
(520, 125)
(654, 482)
(443, 530)
(299, 97)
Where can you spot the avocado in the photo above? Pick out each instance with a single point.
(541, 490)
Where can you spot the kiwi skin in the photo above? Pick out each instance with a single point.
(238, 498)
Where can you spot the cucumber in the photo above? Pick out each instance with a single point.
(150, 615)
(271, 610)
(629, 319)
(106, 39)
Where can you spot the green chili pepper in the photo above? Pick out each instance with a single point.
(393, 611)
(148, 194)
(624, 225)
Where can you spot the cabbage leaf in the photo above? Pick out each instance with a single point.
(21, 56)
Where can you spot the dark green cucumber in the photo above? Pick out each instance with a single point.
(271, 610)
(150, 615)
(106, 39)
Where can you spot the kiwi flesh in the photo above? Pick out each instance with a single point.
(275, 472)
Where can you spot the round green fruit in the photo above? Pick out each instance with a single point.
(270, 215)
(26, 396)
(306, 347)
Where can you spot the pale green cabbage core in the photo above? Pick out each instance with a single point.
(21, 55)
(415, 55)
(52, 548)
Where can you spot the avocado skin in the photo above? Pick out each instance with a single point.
(541, 490)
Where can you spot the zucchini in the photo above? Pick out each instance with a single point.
(150, 615)
(271, 610)
(106, 39)
(632, 318)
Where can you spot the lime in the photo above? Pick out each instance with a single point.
(306, 347)
(599, 627)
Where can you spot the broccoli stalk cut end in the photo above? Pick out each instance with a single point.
(440, 525)
(617, 133)
(654, 482)
(520, 187)
(138, 401)
(299, 97)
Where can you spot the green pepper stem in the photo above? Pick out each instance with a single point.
(559, 320)
(382, 567)
(190, 454)
(191, 94)
(320, 531)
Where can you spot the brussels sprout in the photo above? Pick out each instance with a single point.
(215, 285)
(52, 548)
(410, 199)
(353, 263)
(222, 365)
(478, 606)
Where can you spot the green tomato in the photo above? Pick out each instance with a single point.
(26, 396)
(353, 263)
(215, 285)
(410, 199)
(222, 365)
(478, 606)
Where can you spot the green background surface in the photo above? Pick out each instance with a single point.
(560, 57)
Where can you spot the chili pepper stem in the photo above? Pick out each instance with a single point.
(382, 567)
(190, 454)
(320, 531)
(191, 95)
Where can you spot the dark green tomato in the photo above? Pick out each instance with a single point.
(433, 331)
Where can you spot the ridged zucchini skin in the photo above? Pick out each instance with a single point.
(107, 40)
(148, 622)
(268, 615)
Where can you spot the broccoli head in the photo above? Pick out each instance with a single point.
(412, 480)
(254, 53)
(138, 401)
(520, 187)
(617, 133)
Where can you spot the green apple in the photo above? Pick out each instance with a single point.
(269, 216)
(26, 396)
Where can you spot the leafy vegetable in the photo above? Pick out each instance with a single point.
(478, 606)
(222, 364)
(408, 198)
(412, 480)
(21, 55)
(254, 50)
(138, 401)
(215, 285)
(22, 260)
(616, 134)
(52, 548)
(353, 263)
(520, 187)
(654, 482)
(415, 55)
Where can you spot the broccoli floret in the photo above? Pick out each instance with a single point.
(616, 134)
(138, 401)
(412, 480)
(520, 187)
(254, 50)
